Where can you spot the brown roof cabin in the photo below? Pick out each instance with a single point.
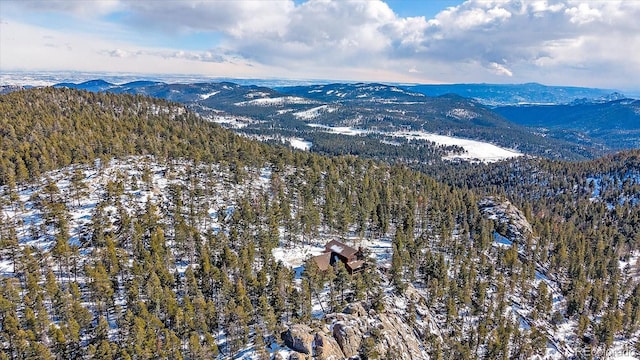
(334, 251)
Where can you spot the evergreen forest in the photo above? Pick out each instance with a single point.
(132, 228)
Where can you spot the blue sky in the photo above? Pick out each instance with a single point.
(427, 8)
(557, 42)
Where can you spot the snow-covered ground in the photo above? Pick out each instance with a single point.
(130, 171)
(501, 241)
(343, 130)
(300, 144)
(314, 112)
(462, 114)
(206, 96)
(294, 142)
(237, 122)
(294, 256)
(161, 176)
(275, 101)
(475, 150)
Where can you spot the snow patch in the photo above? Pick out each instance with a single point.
(206, 96)
(300, 144)
(462, 114)
(232, 121)
(314, 112)
(501, 240)
(294, 256)
(475, 150)
(275, 101)
(343, 130)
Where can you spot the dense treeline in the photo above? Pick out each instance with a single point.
(586, 216)
(45, 129)
(188, 271)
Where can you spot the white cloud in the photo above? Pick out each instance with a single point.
(119, 53)
(540, 7)
(36, 48)
(235, 18)
(553, 41)
(500, 69)
(583, 14)
(80, 8)
(476, 17)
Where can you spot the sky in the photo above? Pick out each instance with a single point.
(564, 42)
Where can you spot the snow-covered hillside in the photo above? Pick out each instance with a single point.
(143, 181)
(130, 187)
(312, 113)
(277, 101)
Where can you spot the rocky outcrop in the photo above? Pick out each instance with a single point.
(299, 338)
(396, 335)
(396, 332)
(390, 332)
(355, 309)
(515, 224)
(298, 356)
(307, 342)
(349, 335)
(327, 348)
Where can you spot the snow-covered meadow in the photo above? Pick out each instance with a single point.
(474, 150)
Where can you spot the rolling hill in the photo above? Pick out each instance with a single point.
(379, 110)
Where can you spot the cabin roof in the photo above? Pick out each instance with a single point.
(323, 261)
(354, 265)
(341, 249)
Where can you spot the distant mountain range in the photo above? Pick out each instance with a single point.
(604, 124)
(577, 126)
(516, 94)
(487, 94)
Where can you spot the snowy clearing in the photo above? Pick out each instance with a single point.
(294, 256)
(300, 144)
(275, 101)
(462, 114)
(343, 130)
(314, 112)
(237, 122)
(475, 150)
(206, 96)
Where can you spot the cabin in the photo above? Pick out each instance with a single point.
(335, 251)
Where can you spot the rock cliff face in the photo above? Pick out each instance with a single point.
(516, 225)
(307, 342)
(299, 338)
(396, 332)
(348, 333)
(327, 348)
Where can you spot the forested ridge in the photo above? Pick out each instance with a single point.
(164, 247)
(45, 129)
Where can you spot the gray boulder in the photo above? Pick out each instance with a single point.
(299, 338)
(327, 348)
